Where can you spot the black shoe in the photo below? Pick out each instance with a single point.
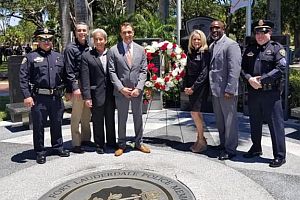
(251, 154)
(41, 159)
(218, 147)
(63, 153)
(88, 143)
(277, 162)
(226, 156)
(113, 146)
(99, 150)
(78, 149)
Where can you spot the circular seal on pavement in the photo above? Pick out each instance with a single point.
(121, 184)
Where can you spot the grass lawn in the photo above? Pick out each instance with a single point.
(3, 67)
(3, 113)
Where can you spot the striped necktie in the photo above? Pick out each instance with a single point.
(129, 55)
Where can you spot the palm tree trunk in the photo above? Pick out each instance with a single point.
(164, 10)
(274, 14)
(81, 11)
(65, 23)
(130, 5)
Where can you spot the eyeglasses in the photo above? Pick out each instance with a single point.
(45, 39)
(214, 27)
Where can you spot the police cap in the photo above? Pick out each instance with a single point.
(44, 33)
(262, 26)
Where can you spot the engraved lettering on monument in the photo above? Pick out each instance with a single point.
(121, 185)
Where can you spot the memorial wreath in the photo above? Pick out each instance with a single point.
(173, 61)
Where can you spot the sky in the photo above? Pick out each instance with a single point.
(14, 21)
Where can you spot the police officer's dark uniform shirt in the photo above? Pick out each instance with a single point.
(42, 70)
(72, 55)
(267, 61)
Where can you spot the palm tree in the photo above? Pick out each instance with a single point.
(65, 22)
(274, 14)
(149, 25)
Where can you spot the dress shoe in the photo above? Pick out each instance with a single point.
(251, 154)
(119, 152)
(41, 159)
(218, 147)
(277, 162)
(111, 145)
(144, 149)
(63, 153)
(226, 156)
(99, 150)
(88, 143)
(78, 149)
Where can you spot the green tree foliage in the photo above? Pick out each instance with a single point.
(213, 8)
(35, 11)
(109, 14)
(19, 34)
(291, 19)
(149, 25)
(294, 97)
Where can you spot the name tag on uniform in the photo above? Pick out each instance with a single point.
(268, 52)
(38, 59)
(58, 59)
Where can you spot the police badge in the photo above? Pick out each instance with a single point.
(282, 52)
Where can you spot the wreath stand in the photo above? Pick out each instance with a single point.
(166, 119)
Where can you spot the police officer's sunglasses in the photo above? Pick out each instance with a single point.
(45, 39)
(264, 32)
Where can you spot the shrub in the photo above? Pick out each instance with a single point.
(294, 93)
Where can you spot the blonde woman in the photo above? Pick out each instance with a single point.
(197, 83)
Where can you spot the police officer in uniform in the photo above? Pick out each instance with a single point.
(263, 67)
(42, 84)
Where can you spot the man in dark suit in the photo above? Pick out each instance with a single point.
(225, 67)
(97, 91)
(127, 65)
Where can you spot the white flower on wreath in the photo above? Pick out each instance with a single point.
(174, 60)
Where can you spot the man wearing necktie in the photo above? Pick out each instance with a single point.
(225, 67)
(97, 91)
(127, 65)
(129, 55)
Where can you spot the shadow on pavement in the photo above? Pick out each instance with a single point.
(211, 152)
(24, 156)
(25, 127)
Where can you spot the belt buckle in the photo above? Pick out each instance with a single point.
(51, 91)
(44, 91)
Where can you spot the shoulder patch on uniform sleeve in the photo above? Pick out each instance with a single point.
(24, 60)
(282, 52)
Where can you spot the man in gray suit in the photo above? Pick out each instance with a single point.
(225, 67)
(127, 65)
